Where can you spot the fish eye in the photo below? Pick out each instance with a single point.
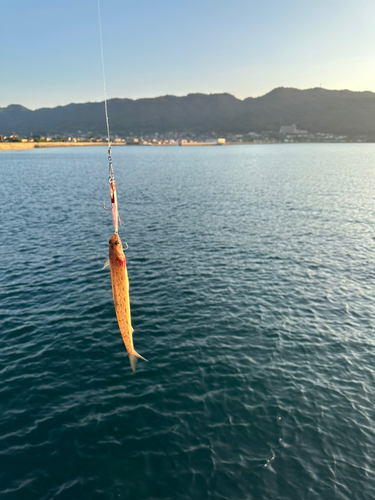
(117, 242)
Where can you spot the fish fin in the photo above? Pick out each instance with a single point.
(133, 362)
(133, 358)
(139, 356)
(105, 265)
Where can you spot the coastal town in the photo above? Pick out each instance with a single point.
(286, 134)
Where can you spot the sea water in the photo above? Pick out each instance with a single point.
(251, 275)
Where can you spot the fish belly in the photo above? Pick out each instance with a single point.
(120, 289)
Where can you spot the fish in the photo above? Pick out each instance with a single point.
(120, 290)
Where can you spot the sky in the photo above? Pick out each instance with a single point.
(50, 50)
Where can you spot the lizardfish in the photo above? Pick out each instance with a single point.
(120, 289)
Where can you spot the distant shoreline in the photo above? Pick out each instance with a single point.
(9, 146)
(14, 146)
(19, 146)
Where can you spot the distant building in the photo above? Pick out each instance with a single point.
(221, 141)
(288, 129)
(291, 129)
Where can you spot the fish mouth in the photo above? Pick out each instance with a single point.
(115, 240)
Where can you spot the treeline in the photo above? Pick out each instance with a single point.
(316, 110)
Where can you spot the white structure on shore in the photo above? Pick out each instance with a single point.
(291, 129)
(288, 129)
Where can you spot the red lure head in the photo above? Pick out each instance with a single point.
(113, 191)
(115, 216)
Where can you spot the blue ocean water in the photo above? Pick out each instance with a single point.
(252, 292)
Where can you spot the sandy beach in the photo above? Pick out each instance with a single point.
(35, 145)
(8, 146)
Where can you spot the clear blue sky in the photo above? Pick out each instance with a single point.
(50, 50)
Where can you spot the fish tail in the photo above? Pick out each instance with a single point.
(133, 358)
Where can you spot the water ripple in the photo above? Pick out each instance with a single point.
(251, 280)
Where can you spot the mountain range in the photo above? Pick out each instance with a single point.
(341, 112)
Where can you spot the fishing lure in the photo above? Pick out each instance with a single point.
(115, 215)
(112, 187)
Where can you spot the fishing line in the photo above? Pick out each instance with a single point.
(103, 70)
(111, 179)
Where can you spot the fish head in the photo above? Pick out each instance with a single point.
(116, 252)
(115, 244)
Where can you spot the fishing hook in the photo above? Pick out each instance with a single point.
(105, 206)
